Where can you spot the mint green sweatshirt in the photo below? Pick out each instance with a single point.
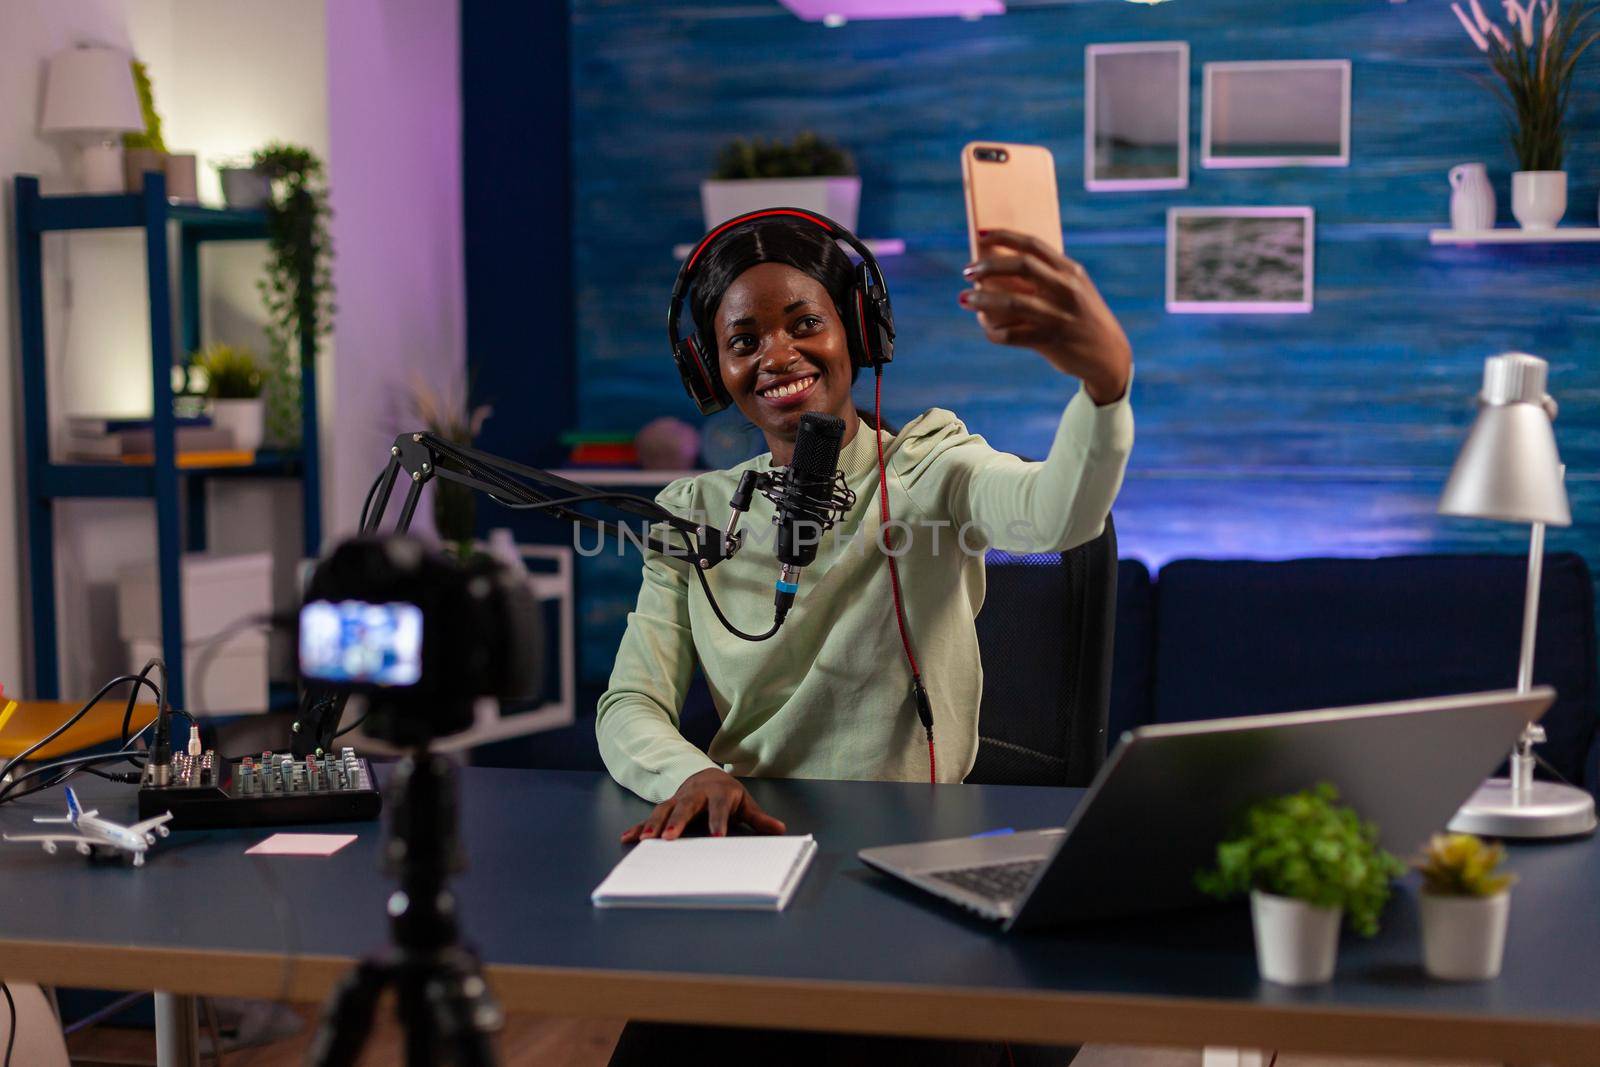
(830, 695)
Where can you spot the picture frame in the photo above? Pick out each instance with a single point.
(1136, 116)
(1241, 260)
(1281, 113)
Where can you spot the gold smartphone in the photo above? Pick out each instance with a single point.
(1011, 187)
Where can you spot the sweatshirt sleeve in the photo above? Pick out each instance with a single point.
(1013, 504)
(636, 720)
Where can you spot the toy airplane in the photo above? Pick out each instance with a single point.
(93, 830)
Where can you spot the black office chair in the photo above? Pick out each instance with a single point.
(1046, 633)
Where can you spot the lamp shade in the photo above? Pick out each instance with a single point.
(1509, 468)
(90, 90)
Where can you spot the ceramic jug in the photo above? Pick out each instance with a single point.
(1472, 203)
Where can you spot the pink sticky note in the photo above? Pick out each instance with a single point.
(300, 845)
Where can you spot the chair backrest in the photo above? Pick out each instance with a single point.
(1046, 633)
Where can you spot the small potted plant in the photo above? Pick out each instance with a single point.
(1535, 57)
(144, 149)
(808, 172)
(446, 412)
(1466, 902)
(233, 382)
(1306, 861)
(243, 184)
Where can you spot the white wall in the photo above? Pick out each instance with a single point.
(394, 118)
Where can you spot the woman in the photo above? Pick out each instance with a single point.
(831, 695)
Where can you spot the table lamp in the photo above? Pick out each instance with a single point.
(1509, 470)
(89, 94)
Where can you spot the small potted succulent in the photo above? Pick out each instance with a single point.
(1306, 861)
(448, 413)
(1466, 903)
(233, 382)
(808, 172)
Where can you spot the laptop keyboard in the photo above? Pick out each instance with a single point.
(995, 881)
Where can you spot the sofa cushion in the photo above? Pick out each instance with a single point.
(1246, 637)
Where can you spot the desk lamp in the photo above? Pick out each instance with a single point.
(89, 93)
(1509, 470)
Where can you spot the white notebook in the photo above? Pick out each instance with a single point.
(758, 873)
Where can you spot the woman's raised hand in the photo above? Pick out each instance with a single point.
(1035, 297)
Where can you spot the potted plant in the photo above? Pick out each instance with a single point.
(298, 287)
(233, 382)
(1466, 903)
(808, 173)
(1306, 860)
(1534, 59)
(445, 412)
(243, 184)
(146, 149)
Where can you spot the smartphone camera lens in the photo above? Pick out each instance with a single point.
(991, 155)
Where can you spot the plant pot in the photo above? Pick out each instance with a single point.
(245, 418)
(1539, 198)
(836, 198)
(183, 178)
(135, 161)
(1296, 943)
(245, 187)
(1464, 938)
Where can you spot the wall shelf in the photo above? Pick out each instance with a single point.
(1510, 235)
(173, 489)
(621, 476)
(880, 247)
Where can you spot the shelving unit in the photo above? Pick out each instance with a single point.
(1508, 235)
(162, 482)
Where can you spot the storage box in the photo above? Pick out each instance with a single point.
(227, 677)
(218, 591)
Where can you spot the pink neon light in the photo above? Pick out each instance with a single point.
(817, 10)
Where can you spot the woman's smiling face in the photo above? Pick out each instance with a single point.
(783, 351)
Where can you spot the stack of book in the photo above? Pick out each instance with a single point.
(120, 439)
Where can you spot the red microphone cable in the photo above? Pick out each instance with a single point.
(924, 705)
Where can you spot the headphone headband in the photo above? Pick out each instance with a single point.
(872, 332)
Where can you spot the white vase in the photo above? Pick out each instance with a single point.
(246, 419)
(835, 198)
(1296, 943)
(1472, 204)
(1464, 938)
(1539, 198)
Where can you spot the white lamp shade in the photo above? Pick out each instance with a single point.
(1509, 468)
(90, 90)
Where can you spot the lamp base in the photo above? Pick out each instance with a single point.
(101, 167)
(1544, 809)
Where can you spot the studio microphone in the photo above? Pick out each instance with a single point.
(809, 498)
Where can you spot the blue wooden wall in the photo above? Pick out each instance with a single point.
(1275, 436)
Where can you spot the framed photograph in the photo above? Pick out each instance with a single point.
(1136, 116)
(1280, 114)
(1240, 260)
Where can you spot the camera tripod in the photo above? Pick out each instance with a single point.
(444, 1005)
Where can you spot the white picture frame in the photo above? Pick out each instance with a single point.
(1282, 113)
(1265, 269)
(1143, 85)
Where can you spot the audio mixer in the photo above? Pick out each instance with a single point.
(273, 789)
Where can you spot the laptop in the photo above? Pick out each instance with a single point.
(1169, 793)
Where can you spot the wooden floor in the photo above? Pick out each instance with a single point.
(528, 1040)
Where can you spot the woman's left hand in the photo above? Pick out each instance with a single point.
(1042, 300)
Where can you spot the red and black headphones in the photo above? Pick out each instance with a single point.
(871, 334)
(870, 329)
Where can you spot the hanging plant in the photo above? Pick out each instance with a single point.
(298, 287)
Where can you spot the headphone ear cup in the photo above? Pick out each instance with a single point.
(874, 321)
(701, 379)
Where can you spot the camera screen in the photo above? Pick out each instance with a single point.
(353, 641)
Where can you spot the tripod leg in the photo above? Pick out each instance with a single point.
(347, 1020)
(464, 1014)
